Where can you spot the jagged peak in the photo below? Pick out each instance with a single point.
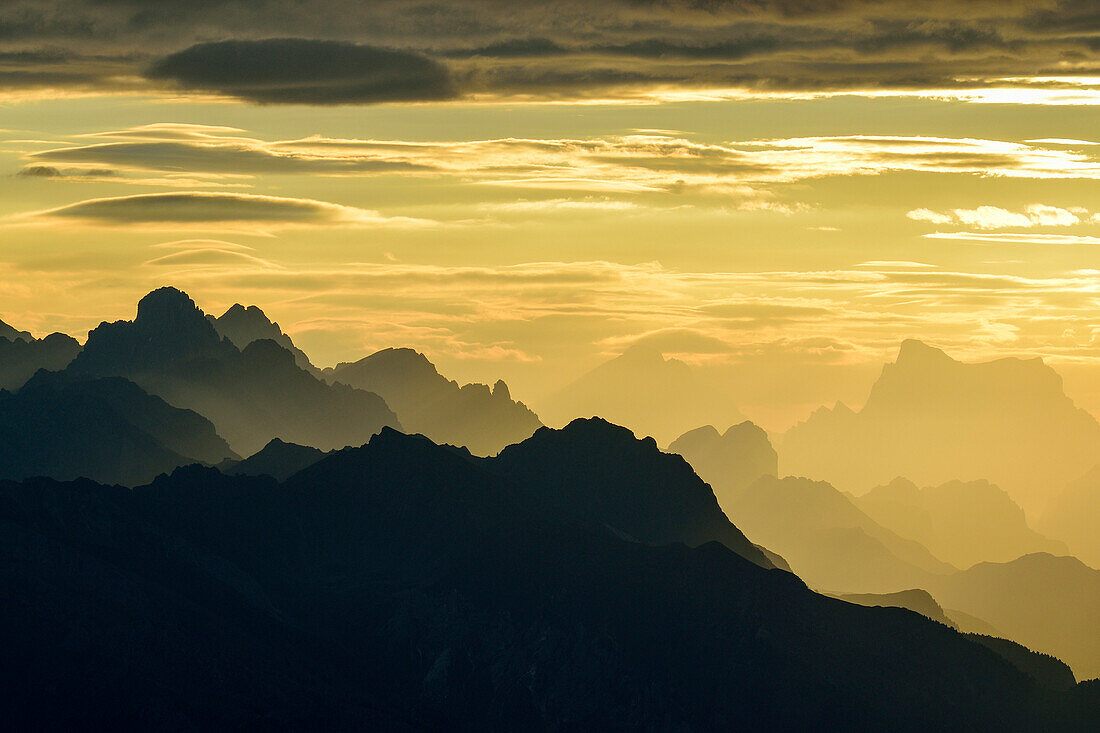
(914, 351)
(500, 390)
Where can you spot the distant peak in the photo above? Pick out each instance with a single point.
(500, 390)
(167, 306)
(642, 352)
(914, 351)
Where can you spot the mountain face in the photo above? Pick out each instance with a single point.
(827, 540)
(1072, 516)
(1047, 603)
(22, 355)
(251, 395)
(406, 586)
(243, 325)
(962, 523)
(276, 459)
(934, 419)
(108, 430)
(600, 471)
(473, 416)
(730, 462)
(647, 393)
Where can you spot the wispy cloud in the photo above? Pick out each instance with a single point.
(994, 217)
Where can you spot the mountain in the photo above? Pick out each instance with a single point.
(962, 522)
(603, 473)
(252, 395)
(13, 334)
(428, 403)
(243, 325)
(108, 430)
(827, 540)
(731, 461)
(276, 459)
(1044, 602)
(403, 585)
(642, 390)
(21, 355)
(916, 600)
(1072, 516)
(934, 419)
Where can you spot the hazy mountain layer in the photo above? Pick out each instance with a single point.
(934, 419)
(647, 393)
(729, 462)
(251, 395)
(1074, 517)
(827, 540)
(1049, 604)
(277, 459)
(962, 523)
(404, 586)
(472, 416)
(243, 325)
(108, 430)
(24, 355)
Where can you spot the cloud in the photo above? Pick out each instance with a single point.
(213, 209)
(1008, 238)
(994, 217)
(302, 71)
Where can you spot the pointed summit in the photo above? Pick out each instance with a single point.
(243, 325)
(913, 351)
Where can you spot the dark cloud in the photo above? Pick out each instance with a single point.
(40, 171)
(299, 71)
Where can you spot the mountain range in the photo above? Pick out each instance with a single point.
(934, 419)
(404, 585)
(21, 355)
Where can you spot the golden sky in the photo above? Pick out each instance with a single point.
(778, 192)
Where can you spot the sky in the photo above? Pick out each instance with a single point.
(776, 191)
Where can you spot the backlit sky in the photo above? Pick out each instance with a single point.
(777, 191)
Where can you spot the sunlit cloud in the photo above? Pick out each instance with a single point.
(1011, 238)
(994, 217)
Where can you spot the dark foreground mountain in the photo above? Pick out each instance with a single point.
(934, 419)
(1074, 517)
(243, 325)
(402, 585)
(601, 471)
(252, 395)
(22, 356)
(107, 429)
(963, 523)
(1050, 604)
(827, 540)
(647, 393)
(474, 416)
(277, 459)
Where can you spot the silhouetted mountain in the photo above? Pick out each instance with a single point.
(729, 462)
(428, 403)
(243, 325)
(21, 357)
(108, 430)
(962, 523)
(1073, 517)
(402, 585)
(276, 459)
(935, 419)
(13, 334)
(604, 473)
(827, 540)
(647, 393)
(251, 396)
(1049, 604)
(1047, 670)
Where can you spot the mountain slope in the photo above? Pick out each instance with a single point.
(432, 593)
(1046, 603)
(108, 430)
(645, 392)
(472, 416)
(730, 462)
(963, 523)
(600, 471)
(251, 395)
(934, 419)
